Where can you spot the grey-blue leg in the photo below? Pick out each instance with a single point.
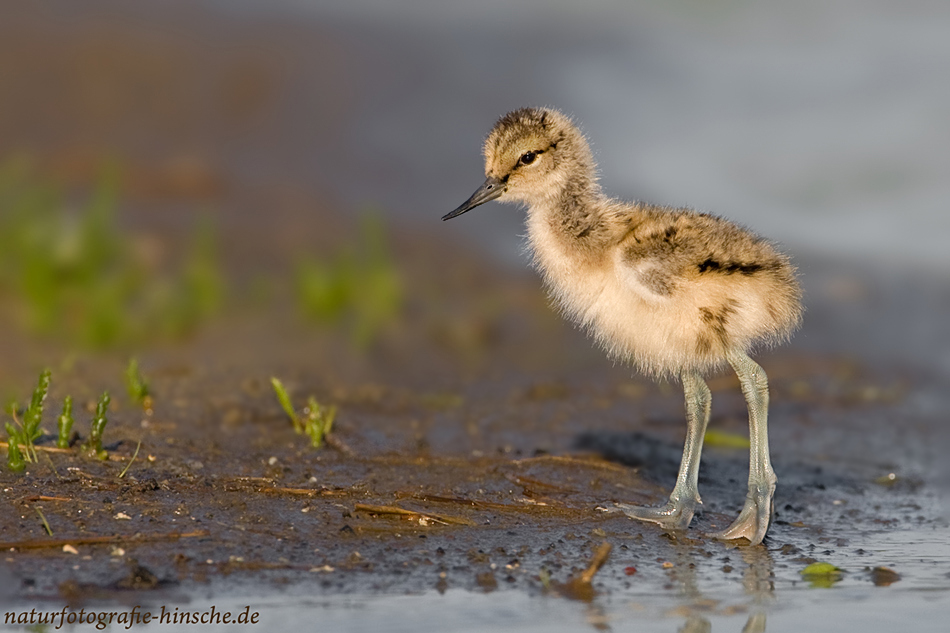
(756, 514)
(678, 512)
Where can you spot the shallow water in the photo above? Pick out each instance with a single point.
(785, 602)
(758, 596)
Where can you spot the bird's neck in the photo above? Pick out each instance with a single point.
(569, 228)
(575, 213)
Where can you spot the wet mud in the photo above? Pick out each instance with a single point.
(488, 484)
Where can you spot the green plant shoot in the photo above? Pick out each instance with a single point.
(73, 274)
(360, 288)
(34, 413)
(284, 399)
(318, 421)
(29, 428)
(14, 457)
(93, 445)
(136, 385)
(65, 423)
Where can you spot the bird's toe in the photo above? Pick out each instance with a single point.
(752, 523)
(675, 516)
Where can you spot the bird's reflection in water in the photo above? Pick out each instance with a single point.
(682, 574)
(757, 582)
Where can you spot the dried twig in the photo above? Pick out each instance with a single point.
(600, 557)
(48, 449)
(55, 449)
(529, 482)
(99, 540)
(486, 505)
(594, 463)
(305, 492)
(422, 517)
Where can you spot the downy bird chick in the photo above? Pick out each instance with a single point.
(674, 292)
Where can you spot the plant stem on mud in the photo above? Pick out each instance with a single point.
(317, 420)
(129, 465)
(26, 432)
(284, 399)
(65, 423)
(93, 446)
(137, 385)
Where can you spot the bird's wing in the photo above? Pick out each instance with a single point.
(656, 256)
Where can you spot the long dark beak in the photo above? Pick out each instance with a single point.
(490, 189)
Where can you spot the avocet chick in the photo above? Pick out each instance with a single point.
(673, 291)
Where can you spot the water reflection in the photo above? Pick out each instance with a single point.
(689, 559)
(696, 607)
(757, 582)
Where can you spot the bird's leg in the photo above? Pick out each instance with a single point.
(678, 511)
(756, 514)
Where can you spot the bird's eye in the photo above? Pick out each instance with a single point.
(528, 158)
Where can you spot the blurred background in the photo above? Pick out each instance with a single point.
(162, 163)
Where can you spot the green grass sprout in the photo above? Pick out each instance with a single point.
(72, 273)
(137, 385)
(284, 399)
(317, 420)
(360, 288)
(200, 288)
(46, 526)
(26, 432)
(14, 456)
(34, 413)
(93, 446)
(65, 423)
(129, 465)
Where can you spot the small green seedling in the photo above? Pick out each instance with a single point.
(34, 414)
(26, 432)
(137, 386)
(284, 399)
(14, 457)
(46, 526)
(93, 446)
(359, 289)
(317, 421)
(65, 423)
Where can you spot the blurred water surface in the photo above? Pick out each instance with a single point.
(821, 124)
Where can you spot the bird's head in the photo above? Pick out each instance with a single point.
(531, 155)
